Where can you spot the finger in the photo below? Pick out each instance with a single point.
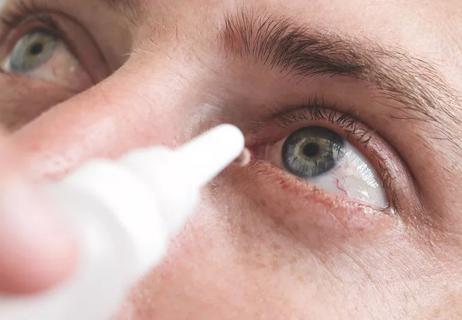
(36, 252)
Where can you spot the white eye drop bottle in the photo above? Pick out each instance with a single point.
(124, 213)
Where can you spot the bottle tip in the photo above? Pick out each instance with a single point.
(210, 153)
(244, 159)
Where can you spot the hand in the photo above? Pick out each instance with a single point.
(36, 252)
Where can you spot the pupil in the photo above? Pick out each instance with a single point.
(311, 150)
(36, 49)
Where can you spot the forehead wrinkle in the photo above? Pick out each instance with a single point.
(280, 43)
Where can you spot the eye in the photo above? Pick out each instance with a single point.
(50, 47)
(42, 55)
(323, 158)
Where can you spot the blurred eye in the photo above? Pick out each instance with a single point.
(42, 55)
(325, 159)
(31, 51)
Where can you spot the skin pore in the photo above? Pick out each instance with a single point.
(264, 244)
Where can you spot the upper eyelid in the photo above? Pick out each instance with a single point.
(319, 109)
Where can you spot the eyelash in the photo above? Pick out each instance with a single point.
(317, 109)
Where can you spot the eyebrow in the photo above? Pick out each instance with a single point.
(280, 43)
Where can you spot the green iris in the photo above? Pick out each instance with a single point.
(312, 151)
(32, 50)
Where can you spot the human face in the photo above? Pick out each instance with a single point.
(372, 233)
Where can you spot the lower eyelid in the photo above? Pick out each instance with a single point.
(361, 184)
(306, 209)
(382, 170)
(21, 109)
(307, 188)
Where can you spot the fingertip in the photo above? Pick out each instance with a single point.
(36, 251)
(30, 269)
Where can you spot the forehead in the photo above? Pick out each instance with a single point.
(427, 30)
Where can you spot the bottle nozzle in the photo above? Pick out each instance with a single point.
(211, 152)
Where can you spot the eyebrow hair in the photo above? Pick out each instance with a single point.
(280, 43)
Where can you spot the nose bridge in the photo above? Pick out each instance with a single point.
(147, 102)
(164, 91)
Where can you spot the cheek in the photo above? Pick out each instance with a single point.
(226, 264)
(236, 260)
(235, 257)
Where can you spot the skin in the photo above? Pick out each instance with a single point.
(263, 244)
